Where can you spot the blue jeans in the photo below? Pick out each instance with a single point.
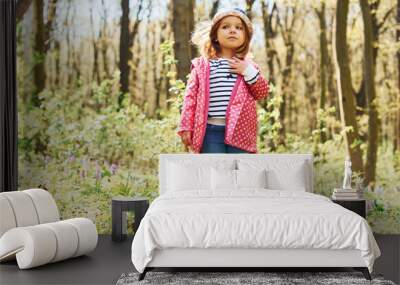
(214, 141)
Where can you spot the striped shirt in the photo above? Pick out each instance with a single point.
(222, 81)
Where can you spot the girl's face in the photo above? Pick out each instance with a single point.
(231, 33)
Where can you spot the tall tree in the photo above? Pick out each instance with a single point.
(288, 31)
(146, 96)
(157, 66)
(270, 33)
(67, 23)
(324, 59)
(162, 80)
(332, 86)
(27, 29)
(127, 37)
(369, 73)
(347, 102)
(104, 40)
(124, 49)
(57, 63)
(397, 120)
(249, 7)
(136, 58)
(182, 25)
(378, 27)
(95, 69)
(214, 8)
(76, 55)
(41, 45)
(311, 86)
(21, 8)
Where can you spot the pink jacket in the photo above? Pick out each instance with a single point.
(241, 113)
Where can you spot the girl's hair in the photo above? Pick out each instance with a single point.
(205, 35)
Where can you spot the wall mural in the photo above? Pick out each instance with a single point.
(101, 85)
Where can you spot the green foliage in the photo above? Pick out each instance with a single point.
(384, 210)
(38, 57)
(94, 150)
(269, 124)
(177, 86)
(167, 48)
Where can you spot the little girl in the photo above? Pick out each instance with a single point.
(219, 109)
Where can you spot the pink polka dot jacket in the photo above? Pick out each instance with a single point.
(241, 113)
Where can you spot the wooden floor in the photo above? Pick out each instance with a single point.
(111, 259)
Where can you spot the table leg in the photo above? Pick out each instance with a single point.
(124, 224)
(116, 217)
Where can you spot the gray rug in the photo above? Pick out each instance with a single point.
(230, 278)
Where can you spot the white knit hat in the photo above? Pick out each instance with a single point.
(234, 12)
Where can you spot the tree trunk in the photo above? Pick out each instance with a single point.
(39, 72)
(135, 65)
(95, 69)
(76, 65)
(332, 87)
(323, 46)
(21, 8)
(25, 90)
(269, 35)
(68, 22)
(286, 78)
(214, 8)
(57, 64)
(145, 73)
(41, 45)
(361, 96)
(287, 29)
(167, 80)
(104, 49)
(156, 75)
(104, 41)
(396, 145)
(125, 54)
(75, 54)
(312, 103)
(182, 24)
(249, 7)
(369, 72)
(346, 99)
(127, 37)
(158, 78)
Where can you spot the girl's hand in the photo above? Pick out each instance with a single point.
(186, 137)
(238, 65)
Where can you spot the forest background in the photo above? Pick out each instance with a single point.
(101, 83)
